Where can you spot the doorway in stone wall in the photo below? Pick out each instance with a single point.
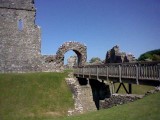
(79, 49)
(70, 60)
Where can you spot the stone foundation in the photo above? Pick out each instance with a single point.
(82, 96)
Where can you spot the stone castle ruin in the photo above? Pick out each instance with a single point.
(20, 41)
(71, 62)
(115, 56)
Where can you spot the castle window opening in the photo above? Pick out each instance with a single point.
(20, 25)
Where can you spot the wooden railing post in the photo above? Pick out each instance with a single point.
(137, 73)
(97, 73)
(107, 72)
(120, 73)
(159, 71)
(89, 69)
(83, 71)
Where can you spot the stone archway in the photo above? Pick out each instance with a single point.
(78, 48)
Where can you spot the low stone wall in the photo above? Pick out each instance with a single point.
(118, 99)
(49, 64)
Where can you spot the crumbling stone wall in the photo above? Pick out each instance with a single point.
(78, 48)
(118, 99)
(82, 95)
(48, 64)
(18, 4)
(115, 56)
(71, 62)
(55, 63)
(19, 37)
(20, 42)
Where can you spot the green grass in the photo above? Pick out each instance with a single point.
(34, 96)
(45, 96)
(143, 109)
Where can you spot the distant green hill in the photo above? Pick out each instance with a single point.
(153, 55)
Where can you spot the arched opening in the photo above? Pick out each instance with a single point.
(70, 59)
(20, 25)
(79, 57)
(79, 49)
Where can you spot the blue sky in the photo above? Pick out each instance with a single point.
(134, 25)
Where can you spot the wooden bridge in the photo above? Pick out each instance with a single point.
(145, 73)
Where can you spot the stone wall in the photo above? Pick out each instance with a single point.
(78, 48)
(48, 64)
(115, 56)
(71, 62)
(118, 99)
(82, 95)
(19, 37)
(55, 63)
(18, 4)
(20, 41)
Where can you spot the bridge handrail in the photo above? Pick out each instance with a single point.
(134, 70)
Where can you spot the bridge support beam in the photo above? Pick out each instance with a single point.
(129, 91)
(129, 88)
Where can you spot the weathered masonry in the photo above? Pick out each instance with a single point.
(20, 41)
(56, 62)
(19, 36)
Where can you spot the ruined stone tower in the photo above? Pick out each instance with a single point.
(19, 36)
(20, 41)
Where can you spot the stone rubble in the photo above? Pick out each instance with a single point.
(119, 99)
(157, 89)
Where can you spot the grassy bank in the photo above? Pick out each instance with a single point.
(143, 109)
(34, 96)
(45, 96)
